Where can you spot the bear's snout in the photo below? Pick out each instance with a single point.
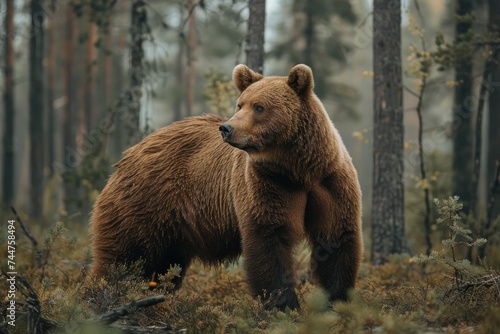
(226, 130)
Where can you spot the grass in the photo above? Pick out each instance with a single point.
(397, 297)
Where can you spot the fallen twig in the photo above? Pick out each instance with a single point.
(149, 329)
(114, 315)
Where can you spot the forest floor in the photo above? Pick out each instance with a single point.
(55, 291)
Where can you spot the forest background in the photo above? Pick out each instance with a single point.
(84, 80)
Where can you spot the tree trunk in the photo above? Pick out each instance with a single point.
(36, 108)
(255, 35)
(108, 65)
(119, 87)
(104, 83)
(179, 77)
(8, 139)
(51, 78)
(493, 151)
(138, 30)
(309, 34)
(388, 137)
(191, 59)
(88, 86)
(70, 159)
(462, 117)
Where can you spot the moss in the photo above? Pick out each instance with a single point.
(396, 297)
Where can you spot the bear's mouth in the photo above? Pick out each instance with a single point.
(248, 145)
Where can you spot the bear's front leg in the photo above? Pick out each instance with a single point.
(333, 226)
(267, 252)
(270, 215)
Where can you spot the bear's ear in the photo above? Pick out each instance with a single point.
(244, 77)
(300, 79)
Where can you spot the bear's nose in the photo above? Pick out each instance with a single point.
(226, 130)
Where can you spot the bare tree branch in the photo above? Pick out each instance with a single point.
(34, 242)
(427, 214)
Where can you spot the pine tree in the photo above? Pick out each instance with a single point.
(388, 133)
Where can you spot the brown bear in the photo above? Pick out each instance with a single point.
(279, 174)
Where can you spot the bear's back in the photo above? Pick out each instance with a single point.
(171, 179)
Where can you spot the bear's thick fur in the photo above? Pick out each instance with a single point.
(279, 174)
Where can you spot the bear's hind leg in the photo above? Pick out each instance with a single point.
(173, 255)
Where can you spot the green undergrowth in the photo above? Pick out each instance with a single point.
(402, 296)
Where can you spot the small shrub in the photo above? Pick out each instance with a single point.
(473, 289)
(457, 236)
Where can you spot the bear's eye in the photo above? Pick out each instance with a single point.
(238, 107)
(258, 109)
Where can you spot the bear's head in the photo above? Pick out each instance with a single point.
(269, 109)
